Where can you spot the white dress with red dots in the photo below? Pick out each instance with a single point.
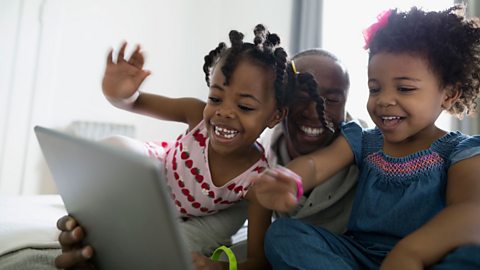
(189, 178)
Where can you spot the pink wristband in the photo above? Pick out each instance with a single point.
(298, 181)
(297, 178)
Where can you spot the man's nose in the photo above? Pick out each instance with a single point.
(310, 110)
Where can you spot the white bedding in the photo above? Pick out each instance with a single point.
(29, 222)
(28, 233)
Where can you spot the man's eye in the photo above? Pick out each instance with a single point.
(245, 108)
(332, 100)
(213, 99)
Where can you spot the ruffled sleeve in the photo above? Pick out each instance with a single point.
(353, 132)
(467, 148)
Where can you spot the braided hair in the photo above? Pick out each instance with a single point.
(264, 51)
(449, 42)
(305, 81)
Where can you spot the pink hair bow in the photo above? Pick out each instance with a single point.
(369, 32)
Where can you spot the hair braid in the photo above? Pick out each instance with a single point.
(280, 72)
(264, 51)
(211, 58)
(307, 81)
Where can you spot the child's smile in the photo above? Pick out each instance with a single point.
(405, 100)
(238, 112)
(225, 132)
(390, 123)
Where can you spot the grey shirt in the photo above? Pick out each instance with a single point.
(327, 205)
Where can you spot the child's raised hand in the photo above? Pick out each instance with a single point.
(204, 263)
(276, 189)
(123, 78)
(74, 255)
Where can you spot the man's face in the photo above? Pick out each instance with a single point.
(305, 133)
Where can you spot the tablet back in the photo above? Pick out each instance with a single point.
(121, 200)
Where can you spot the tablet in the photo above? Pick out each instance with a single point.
(121, 200)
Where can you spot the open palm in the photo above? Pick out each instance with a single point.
(123, 78)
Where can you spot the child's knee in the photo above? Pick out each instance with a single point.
(281, 229)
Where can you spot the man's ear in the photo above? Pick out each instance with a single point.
(277, 117)
(452, 93)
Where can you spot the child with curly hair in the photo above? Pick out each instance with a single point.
(417, 203)
(209, 167)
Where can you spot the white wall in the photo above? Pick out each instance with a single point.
(52, 57)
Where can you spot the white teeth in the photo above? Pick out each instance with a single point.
(226, 133)
(390, 117)
(310, 131)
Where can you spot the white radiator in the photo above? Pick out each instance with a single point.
(99, 130)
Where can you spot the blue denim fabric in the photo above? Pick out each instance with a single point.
(294, 244)
(394, 197)
(397, 195)
(464, 258)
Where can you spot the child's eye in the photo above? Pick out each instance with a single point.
(213, 100)
(406, 89)
(245, 108)
(374, 90)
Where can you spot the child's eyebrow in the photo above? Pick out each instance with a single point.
(249, 96)
(402, 78)
(216, 86)
(242, 95)
(406, 78)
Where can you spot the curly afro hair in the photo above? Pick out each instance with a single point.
(264, 51)
(447, 40)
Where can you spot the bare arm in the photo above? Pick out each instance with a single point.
(276, 189)
(185, 110)
(320, 165)
(456, 225)
(259, 219)
(123, 78)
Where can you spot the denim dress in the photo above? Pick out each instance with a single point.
(397, 195)
(394, 197)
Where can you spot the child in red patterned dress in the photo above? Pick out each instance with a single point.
(209, 167)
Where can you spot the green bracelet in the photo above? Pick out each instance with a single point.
(232, 260)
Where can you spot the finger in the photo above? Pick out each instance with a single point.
(137, 59)
(73, 258)
(110, 57)
(66, 223)
(286, 176)
(121, 52)
(287, 172)
(265, 180)
(289, 203)
(69, 238)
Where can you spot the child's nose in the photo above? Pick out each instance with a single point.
(386, 98)
(225, 111)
